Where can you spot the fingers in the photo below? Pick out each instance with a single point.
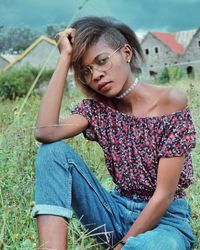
(68, 33)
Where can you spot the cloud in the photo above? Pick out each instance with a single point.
(171, 15)
(185, 1)
(35, 12)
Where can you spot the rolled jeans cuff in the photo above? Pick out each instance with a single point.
(51, 210)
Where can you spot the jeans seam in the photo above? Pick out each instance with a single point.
(69, 186)
(93, 188)
(70, 161)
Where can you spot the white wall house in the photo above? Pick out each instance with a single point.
(6, 59)
(3, 62)
(43, 50)
(162, 49)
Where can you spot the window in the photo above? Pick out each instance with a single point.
(199, 44)
(156, 50)
(190, 71)
(146, 51)
(152, 73)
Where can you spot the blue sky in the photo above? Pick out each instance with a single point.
(141, 15)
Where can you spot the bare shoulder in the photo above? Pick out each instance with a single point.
(177, 98)
(172, 99)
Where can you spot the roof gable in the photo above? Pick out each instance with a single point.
(191, 40)
(9, 57)
(170, 41)
(30, 48)
(4, 59)
(184, 37)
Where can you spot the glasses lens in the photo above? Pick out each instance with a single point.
(85, 75)
(103, 63)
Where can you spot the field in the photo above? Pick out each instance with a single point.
(17, 152)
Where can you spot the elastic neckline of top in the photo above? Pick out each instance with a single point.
(182, 111)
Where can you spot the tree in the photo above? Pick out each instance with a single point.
(52, 29)
(16, 39)
(2, 39)
(20, 38)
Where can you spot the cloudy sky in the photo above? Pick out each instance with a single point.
(141, 15)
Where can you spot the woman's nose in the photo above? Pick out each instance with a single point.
(97, 74)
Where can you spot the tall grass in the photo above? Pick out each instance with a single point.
(17, 152)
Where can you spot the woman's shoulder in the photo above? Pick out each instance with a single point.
(94, 105)
(171, 99)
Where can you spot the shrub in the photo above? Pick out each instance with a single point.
(170, 74)
(17, 82)
(163, 76)
(176, 73)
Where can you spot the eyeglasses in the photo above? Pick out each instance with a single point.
(101, 63)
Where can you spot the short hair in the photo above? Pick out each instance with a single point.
(89, 30)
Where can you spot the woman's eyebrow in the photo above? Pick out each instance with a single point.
(95, 59)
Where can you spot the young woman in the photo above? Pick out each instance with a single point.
(145, 131)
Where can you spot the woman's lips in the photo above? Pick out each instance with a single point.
(104, 86)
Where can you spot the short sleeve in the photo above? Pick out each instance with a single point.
(85, 109)
(179, 135)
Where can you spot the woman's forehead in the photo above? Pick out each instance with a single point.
(98, 48)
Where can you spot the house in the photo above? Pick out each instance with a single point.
(42, 51)
(162, 49)
(5, 60)
(191, 57)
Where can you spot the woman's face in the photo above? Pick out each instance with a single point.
(105, 69)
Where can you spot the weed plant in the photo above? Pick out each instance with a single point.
(17, 153)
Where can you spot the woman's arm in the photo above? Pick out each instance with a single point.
(169, 171)
(51, 103)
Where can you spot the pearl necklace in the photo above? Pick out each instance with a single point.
(128, 90)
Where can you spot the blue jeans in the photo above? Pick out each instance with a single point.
(64, 184)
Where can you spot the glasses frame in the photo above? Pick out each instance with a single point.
(92, 64)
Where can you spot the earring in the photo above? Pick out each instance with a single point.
(128, 61)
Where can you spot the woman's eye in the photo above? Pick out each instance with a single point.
(86, 72)
(102, 61)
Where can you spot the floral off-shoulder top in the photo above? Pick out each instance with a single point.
(133, 145)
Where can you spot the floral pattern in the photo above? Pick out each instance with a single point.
(133, 145)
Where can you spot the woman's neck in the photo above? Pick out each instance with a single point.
(141, 99)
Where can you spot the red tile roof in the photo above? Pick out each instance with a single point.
(170, 41)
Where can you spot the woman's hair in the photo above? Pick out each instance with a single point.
(88, 32)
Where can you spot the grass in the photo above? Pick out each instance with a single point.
(17, 152)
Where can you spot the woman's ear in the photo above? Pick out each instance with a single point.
(127, 52)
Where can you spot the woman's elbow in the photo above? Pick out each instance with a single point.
(43, 136)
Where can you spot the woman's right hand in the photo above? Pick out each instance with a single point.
(65, 41)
